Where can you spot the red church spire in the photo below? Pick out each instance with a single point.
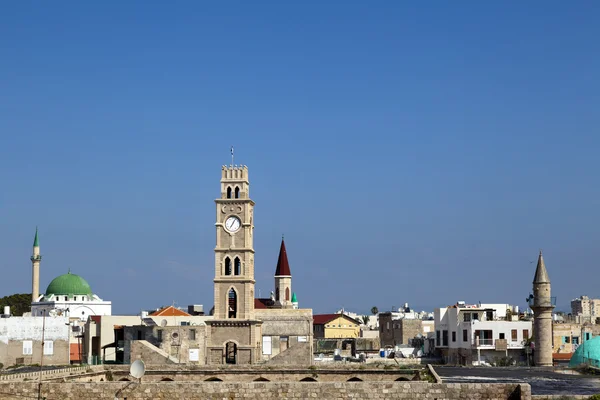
(283, 266)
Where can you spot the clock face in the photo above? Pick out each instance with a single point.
(233, 224)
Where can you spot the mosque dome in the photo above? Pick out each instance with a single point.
(587, 353)
(68, 285)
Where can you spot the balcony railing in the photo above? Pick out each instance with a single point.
(531, 301)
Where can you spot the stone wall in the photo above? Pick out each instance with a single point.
(261, 390)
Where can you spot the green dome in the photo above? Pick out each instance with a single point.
(587, 353)
(69, 285)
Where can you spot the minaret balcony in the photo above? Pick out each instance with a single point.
(547, 302)
(36, 258)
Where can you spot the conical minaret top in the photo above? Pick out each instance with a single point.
(541, 274)
(36, 242)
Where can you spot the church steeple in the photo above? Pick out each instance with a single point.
(283, 266)
(283, 279)
(36, 242)
(541, 274)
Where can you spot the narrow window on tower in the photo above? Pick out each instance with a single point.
(232, 303)
(227, 266)
(237, 192)
(228, 192)
(277, 294)
(287, 294)
(238, 266)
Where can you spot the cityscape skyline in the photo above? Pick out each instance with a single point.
(408, 153)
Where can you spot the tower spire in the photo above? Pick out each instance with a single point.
(283, 266)
(35, 267)
(541, 274)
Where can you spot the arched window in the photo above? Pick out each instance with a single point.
(287, 294)
(228, 192)
(230, 353)
(277, 294)
(232, 303)
(227, 266)
(237, 192)
(237, 266)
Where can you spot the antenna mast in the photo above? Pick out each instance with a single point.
(232, 156)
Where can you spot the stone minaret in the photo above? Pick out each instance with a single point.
(283, 279)
(542, 315)
(35, 266)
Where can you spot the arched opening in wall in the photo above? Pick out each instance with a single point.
(166, 380)
(237, 192)
(277, 294)
(287, 294)
(237, 266)
(228, 192)
(230, 353)
(261, 379)
(308, 379)
(124, 380)
(402, 379)
(227, 266)
(355, 379)
(232, 303)
(214, 379)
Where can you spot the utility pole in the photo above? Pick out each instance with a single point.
(42, 355)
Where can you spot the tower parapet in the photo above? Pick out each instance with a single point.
(234, 182)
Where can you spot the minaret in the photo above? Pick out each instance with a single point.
(294, 301)
(35, 266)
(542, 315)
(283, 279)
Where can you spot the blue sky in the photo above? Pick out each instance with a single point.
(410, 152)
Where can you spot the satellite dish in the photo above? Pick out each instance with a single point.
(163, 323)
(137, 369)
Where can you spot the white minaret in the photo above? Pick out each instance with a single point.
(542, 315)
(35, 266)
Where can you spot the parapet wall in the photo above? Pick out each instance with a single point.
(261, 390)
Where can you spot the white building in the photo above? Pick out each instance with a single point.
(70, 295)
(479, 334)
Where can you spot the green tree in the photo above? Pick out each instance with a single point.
(374, 310)
(365, 319)
(19, 303)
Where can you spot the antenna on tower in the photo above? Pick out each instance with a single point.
(232, 156)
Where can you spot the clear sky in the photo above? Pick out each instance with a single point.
(410, 152)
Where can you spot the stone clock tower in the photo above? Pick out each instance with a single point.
(234, 335)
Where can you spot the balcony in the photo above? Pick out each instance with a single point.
(531, 302)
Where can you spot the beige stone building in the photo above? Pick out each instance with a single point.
(586, 309)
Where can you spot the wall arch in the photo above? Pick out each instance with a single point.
(213, 379)
(308, 379)
(261, 379)
(166, 380)
(354, 379)
(402, 379)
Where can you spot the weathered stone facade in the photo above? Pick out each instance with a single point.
(261, 390)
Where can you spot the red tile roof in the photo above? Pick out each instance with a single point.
(320, 319)
(283, 266)
(562, 356)
(169, 311)
(262, 303)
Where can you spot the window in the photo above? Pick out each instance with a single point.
(75, 298)
(139, 335)
(48, 348)
(465, 336)
(575, 339)
(232, 303)
(525, 334)
(27, 347)
(566, 339)
(227, 266)
(266, 345)
(475, 316)
(387, 326)
(192, 334)
(287, 294)
(467, 317)
(513, 335)
(437, 338)
(159, 335)
(238, 266)
(588, 336)
(229, 192)
(444, 338)
(237, 192)
(453, 336)
(501, 336)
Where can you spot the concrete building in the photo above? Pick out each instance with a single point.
(542, 305)
(21, 340)
(333, 326)
(567, 337)
(483, 333)
(586, 309)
